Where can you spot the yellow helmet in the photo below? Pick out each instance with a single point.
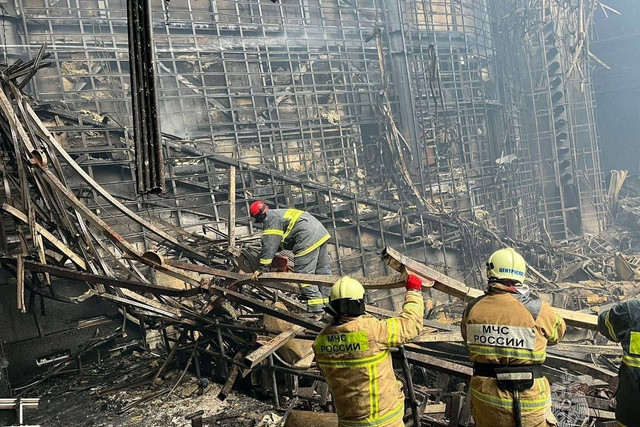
(347, 297)
(506, 264)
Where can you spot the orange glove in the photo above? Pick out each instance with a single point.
(413, 283)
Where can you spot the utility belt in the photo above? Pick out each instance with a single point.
(510, 377)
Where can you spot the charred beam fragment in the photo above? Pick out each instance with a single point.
(446, 284)
(97, 279)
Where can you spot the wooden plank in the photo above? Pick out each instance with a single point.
(145, 307)
(427, 336)
(273, 345)
(9, 113)
(261, 307)
(446, 284)
(457, 401)
(96, 279)
(602, 415)
(371, 283)
(583, 367)
(41, 256)
(231, 231)
(233, 376)
(20, 283)
(439, 365)
(587, 349)
(57, 243)
(598, 403)
(435, 408)
(137, 297)
(465, 414)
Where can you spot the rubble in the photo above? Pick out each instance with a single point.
(217, 331)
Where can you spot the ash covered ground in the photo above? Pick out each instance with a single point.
(82, 399)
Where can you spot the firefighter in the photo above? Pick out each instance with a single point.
(507, 331)
(622, 324)
(302, 233)
(353, 352)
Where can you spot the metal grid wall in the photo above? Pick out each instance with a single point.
(198, 183)
(291, 90)
(565, 140)
(470, 113)
(288, 85)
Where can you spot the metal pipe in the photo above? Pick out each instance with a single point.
(412, 395)
(274, 383)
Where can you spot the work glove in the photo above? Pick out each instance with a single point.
(413, 283)
(255, 275)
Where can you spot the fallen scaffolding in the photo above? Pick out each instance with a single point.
(226, 325)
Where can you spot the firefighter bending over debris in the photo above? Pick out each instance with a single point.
(353, 353)
(507, 331)
(301, 232)
(622, 324)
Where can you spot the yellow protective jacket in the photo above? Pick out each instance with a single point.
(504, 327)
(355, 359)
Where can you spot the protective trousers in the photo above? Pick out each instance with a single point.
(493, 407)
(315, 262)
(627, 397)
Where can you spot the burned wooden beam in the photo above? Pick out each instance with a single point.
(233, 376)
(369, 283)
(264, 308)
(231, 229)
(110, 281)
(22, 308)
(257, 356)
(439, 365)
(583, 367)
(450, 286)
(428, 336)
(205, 270)
(57, 243)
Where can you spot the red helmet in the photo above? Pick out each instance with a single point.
(258, 208)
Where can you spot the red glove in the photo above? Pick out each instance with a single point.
(413, 283)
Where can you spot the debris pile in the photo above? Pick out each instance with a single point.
(199, 318)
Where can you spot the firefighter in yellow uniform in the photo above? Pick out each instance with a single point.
(353, 353)
(302, 233)
(507, 331)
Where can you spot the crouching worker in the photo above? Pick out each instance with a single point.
(507, 331)
(353, 353)
(302, 233)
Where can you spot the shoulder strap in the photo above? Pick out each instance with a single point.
(532, 303)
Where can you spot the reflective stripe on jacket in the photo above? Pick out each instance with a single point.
(622, 324)
(504, 328)
(355, 360)
(291, 229)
